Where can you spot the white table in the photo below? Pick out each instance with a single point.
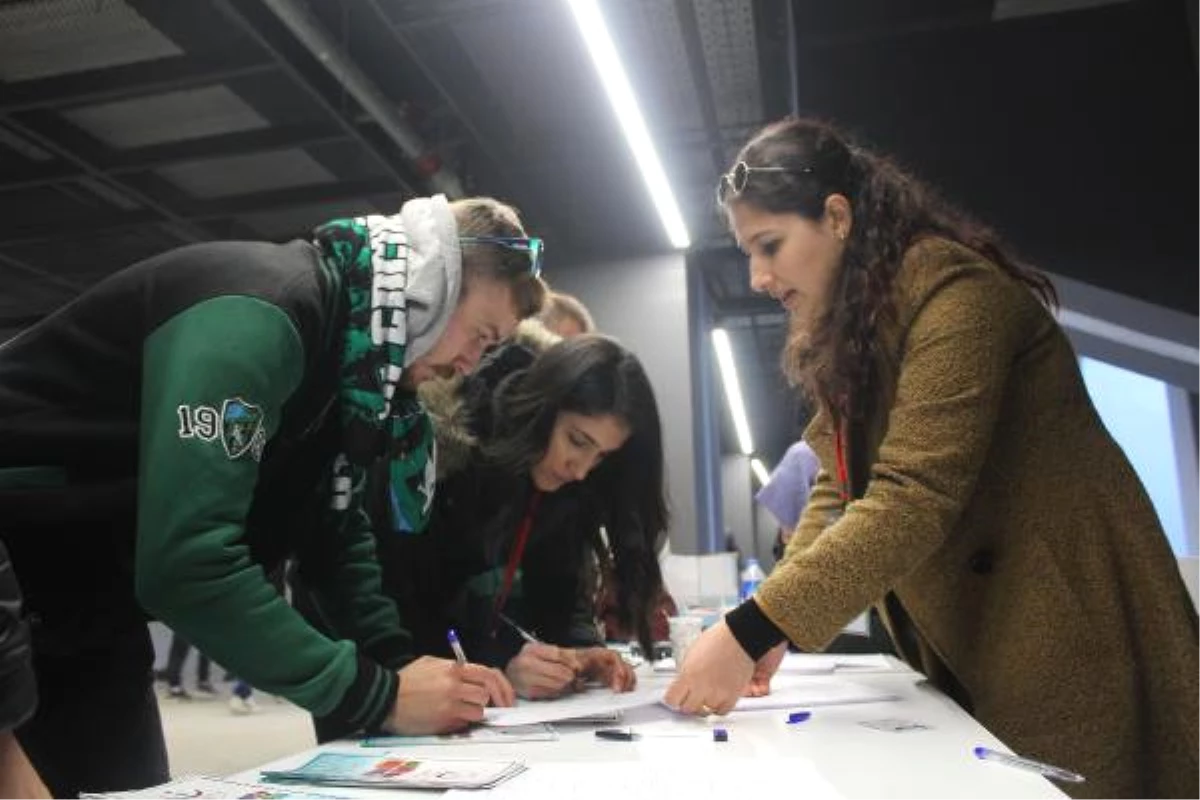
(856, 761)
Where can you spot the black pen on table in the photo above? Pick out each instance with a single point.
(630, 735)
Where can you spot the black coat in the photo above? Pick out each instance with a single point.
(449, 576)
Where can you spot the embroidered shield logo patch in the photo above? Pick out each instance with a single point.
(241, 423)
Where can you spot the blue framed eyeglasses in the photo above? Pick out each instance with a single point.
(526, 244)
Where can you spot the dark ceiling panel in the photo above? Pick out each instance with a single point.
(821, 22)
(138, 159)
(128, 80)
(36, 206)
(88, 259)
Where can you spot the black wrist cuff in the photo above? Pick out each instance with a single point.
(753, 630)
(367, 702)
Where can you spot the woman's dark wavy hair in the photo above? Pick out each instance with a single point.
(891, 211)
(594, 375)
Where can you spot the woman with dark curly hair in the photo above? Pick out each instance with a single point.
(969, 490)
(550, 473)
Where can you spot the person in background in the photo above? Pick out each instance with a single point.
(731, 545)
(176, 657)
(163, 436)
(969, 491)
(18, 689)
(566, 316)
(543, 446)
(786, 491)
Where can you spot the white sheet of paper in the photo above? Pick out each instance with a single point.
(803, 691)
(584, 704)
(787, 691)
(640, 780)
(193, 787)
(814, 664)
(825, 663)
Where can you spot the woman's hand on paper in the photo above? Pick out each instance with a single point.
(541, 671)
(764, 670)
(606, 666)
(438, 695)
(713, 676)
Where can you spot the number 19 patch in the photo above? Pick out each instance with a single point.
(238, 424)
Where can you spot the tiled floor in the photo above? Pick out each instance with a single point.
(204, 737)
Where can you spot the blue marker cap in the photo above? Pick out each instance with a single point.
(798, 716)
(720, 735)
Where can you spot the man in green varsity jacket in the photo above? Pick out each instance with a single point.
(167, 439)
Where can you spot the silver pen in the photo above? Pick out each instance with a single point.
(456, 647)
(524, 634)
(1046, 770)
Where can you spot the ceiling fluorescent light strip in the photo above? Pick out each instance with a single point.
(733, 391)
(760, 471)
(616, 84)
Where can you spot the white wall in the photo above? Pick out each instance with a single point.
(737, 504)
(643, 303)
(768, 528)
(753, 526)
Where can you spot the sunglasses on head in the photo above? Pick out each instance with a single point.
(733, 183)
(525, 244)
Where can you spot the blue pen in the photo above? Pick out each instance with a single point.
(798, 716)
(456, 646)
(1046, 770)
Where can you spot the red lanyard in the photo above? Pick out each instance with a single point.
(840, 434)
(514, 557)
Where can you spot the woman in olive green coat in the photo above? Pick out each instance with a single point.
(970, 491)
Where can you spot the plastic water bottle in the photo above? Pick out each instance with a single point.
(752, 576)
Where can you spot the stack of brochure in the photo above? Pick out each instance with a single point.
(396, 770)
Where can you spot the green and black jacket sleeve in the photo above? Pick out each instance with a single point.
(216, 376)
